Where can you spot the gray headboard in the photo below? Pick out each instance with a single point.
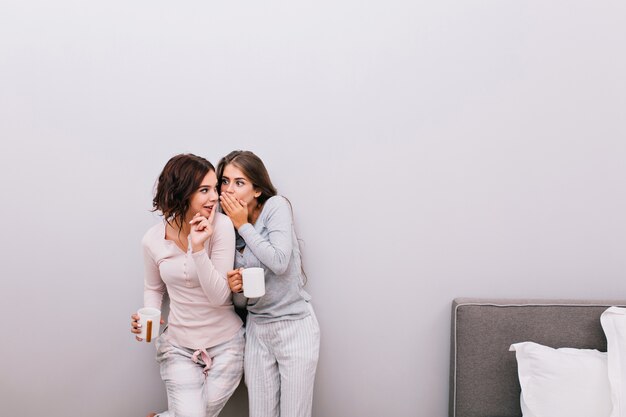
(483, 373)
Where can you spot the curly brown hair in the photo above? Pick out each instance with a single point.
(180, 178)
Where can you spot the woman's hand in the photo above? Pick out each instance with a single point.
(201, 230)
(236, 210)
(235, 281)
(135, 327)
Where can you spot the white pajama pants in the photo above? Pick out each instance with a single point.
(191, 393)
(280, 362)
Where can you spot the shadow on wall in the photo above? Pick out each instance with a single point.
(237, 405)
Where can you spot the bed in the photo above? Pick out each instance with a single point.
(483, 372)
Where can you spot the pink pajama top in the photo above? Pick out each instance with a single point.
(201, 309)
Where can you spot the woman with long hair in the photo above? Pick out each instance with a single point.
(282, 332)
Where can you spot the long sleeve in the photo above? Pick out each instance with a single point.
(201, 314)
(154, 287)
(212, 267)
(272, 244)
(274, 251)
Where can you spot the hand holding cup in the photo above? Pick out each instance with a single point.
(137, 325)
(235, 281)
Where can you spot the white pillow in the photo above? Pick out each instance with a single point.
(562, 382)
(614, 324)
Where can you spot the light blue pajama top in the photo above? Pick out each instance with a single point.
(271, 244)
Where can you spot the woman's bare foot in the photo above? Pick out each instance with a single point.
(151, 415)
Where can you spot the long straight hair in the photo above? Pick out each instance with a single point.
(253, 167)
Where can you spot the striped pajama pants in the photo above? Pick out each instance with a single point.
(191, 393)
(280, 362)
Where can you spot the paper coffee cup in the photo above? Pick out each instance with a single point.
(253, 282)
(150, 320)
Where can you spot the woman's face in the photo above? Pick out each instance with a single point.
(205, 198)
(236, 184)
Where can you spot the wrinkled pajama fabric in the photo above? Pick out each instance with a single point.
(193, 391)
(280, 362)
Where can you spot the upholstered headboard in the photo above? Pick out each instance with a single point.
(483, 373)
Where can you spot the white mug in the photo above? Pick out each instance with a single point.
(150, 320)
(253, 282)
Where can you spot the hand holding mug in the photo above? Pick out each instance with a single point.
(136, 327)
(235, 281)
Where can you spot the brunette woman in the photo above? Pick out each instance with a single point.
(282, 332)
(188, 255)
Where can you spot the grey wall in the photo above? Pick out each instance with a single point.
(430, 149)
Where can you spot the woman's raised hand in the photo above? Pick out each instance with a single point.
(201, 230)
(235, 281)
(236, 210)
